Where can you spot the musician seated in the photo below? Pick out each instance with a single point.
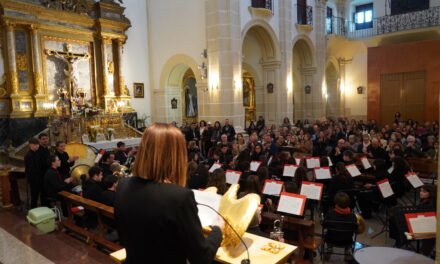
(347, 157)
(108, 195)
(122, 153)
(92, 190)
(54, 182)
(341, 224)
(107, 160)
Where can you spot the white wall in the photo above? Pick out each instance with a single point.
(135, 58)
(356, 75)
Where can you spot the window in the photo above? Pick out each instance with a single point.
(363, 17)
(329, 20)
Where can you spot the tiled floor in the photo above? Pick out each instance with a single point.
(21, 243)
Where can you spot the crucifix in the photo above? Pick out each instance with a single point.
(70, 58)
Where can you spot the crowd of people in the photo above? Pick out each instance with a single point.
(338, 143)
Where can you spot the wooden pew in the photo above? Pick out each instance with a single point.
(102, 211)
(423, 166)
(305, 230)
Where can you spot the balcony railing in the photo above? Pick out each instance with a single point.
(386, 24)
(267, 4)
(304, 15)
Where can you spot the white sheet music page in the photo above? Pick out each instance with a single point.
(232, 177)
(385, 188)
(311, 190)
(323, 173)
(353, 170)
(255, 165)
(423, 224)
(414, 180)
(390, 170)
(272, 187)
(206, 215)
(291, 203)
(365, 163)
(289, 170)
(298, 160)
(312, 162)
(215, 166)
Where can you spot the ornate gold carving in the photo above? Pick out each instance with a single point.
(21, 62)
(105, 85)
(38, 83)
(14, 82)
(3, 91)
(75, 6)
(126, 91)
(122, 88)
(110, 67)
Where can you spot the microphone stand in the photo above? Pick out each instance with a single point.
(244, 261)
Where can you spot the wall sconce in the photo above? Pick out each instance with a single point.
(308, 89)
(204, 54)
(203, 70)
(360, 90)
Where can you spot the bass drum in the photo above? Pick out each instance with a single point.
(77, 171)
(86, 154)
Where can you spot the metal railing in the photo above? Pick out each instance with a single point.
(267, 4)
(386, 24)
(304, 15)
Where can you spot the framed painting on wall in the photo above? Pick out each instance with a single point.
(138, 90)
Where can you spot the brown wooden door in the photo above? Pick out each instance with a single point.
(404, 93)
(413, 96)
(390, 88)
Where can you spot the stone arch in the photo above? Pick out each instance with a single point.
(260, 57)
(333, 95)
(303, 70)
(170, 87)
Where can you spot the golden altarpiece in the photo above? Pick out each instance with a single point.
(62, 61)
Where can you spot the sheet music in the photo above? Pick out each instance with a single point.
(423, 224)
(365, 163)
(269, 161)
(291, 203)
(289, 170)
(311, 190)
(298, 160)
(312, 162)
(385, 188)
(390, 170)
(353, 170)
(414, 180)
(255, 165)
(206, 215)
(215, 166)
(272, 187)
(322, 173)
(330, 163)
(232, 177)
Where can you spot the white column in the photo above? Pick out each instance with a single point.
(10, 38)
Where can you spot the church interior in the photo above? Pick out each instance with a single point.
(311, 126)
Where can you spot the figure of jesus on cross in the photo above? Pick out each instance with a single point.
(70, 58)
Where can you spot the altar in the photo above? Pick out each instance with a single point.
(109, 145)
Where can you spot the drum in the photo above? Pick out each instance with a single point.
(86, 154)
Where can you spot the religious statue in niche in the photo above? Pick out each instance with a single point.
(191, 106)
(246, 94)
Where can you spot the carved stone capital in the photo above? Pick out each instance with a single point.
(33, 28)
(9, 25)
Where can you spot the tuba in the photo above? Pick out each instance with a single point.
(360, 221)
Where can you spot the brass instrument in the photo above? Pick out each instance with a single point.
(360, 221)
(77, 171)
(86, 159)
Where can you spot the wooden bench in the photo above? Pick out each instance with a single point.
(424, 167)
(101, 210)
(305, 230)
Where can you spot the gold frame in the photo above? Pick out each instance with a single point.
(138, 95)
(188, 74)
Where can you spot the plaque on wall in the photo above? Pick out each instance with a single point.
(174, 103)
(308, 89)
(269, 88)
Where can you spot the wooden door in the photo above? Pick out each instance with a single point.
(404, 93)
(390, 88)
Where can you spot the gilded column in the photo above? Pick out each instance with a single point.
(37, 60)
(120, 43)
(104, 68)
(10, 39)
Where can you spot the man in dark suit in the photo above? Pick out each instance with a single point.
(66, 161)
(44, 151)
(193, 133)
(260, 123)
(34, 171)
(229, 130)
(92, 190)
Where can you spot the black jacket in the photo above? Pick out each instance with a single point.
(64, 169)
(121, 156)
(158, 223)
(34, 167)
(44, 153)
(92, 190)
(108, 198)
(340, 228)
(54, 183)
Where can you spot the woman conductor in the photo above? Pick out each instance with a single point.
(156, 216)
